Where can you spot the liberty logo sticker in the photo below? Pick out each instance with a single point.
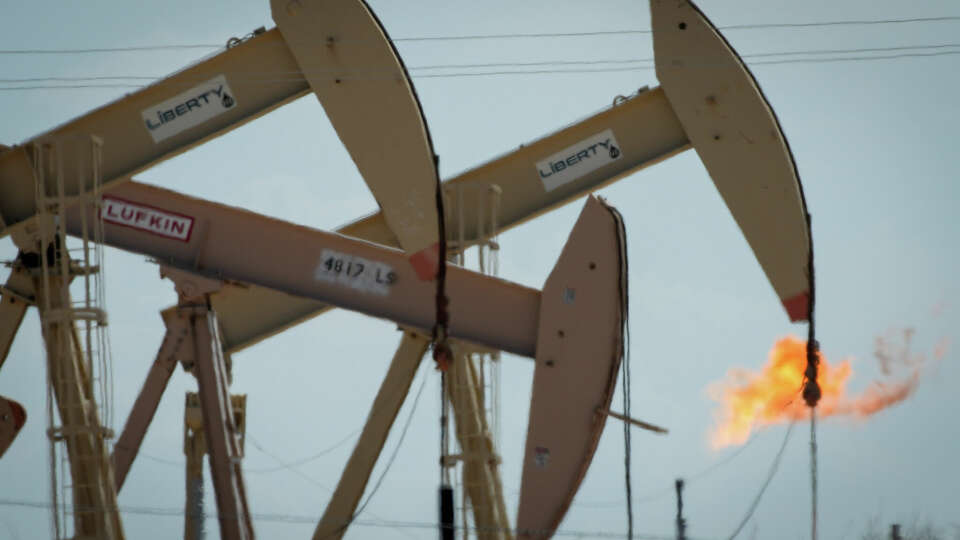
(189, 109)
(579, 160)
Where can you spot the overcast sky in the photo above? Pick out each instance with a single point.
(875, 144)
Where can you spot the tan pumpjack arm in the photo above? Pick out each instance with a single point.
(260, 75)
(324, 266)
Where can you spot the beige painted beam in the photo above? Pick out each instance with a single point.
(353, 481)
(200, 237)
(166, 118)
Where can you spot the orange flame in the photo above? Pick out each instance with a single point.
(750, 400)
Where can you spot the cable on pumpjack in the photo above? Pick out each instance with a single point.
(811, 389)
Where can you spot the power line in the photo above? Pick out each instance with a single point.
(303, 461)
(294, 518)
(863, 22)
(298, 75)
(827, 60)
(659, 493)
(396, 449)
(289, 467)
(111, 49)
(537, 35)
(766, 483)
(860, 22)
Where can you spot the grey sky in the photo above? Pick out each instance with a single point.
(875, 144)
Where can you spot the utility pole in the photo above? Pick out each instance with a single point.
(681, 522)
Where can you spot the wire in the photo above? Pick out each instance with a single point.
(170, 462)
(288, 76)
(864, 22)
(524, 72)
(659, 493)
(393, 457)
(111, 49)
(624, 291)
(813, 473)
(861, 22)
(308, 459)
(766, 483)
(288, 466)
(293, 518)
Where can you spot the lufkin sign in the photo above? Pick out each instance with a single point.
(147, 218)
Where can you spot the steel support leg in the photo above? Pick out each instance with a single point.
(144, 408)
(220, 429)
(393, 391)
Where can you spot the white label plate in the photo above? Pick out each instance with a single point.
(189, 109)
(579, 160)
(147, 218)
(355, 272)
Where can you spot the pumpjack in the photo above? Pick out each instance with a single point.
(54, 186)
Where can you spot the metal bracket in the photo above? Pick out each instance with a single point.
(190, 287)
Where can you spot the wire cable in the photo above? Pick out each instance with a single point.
(813, 473)
(396, 449)
(518, 72)
(288, 76)
(287, 466)
(862, 22)
(393, 456)
(766, 483)
(303, 461)
(539, 35)
(397, 525)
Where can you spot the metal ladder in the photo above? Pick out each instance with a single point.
(473, 387)
(79, 378)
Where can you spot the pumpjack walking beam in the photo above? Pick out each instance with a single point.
(199, 237)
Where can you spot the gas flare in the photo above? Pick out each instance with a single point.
(751, 400)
